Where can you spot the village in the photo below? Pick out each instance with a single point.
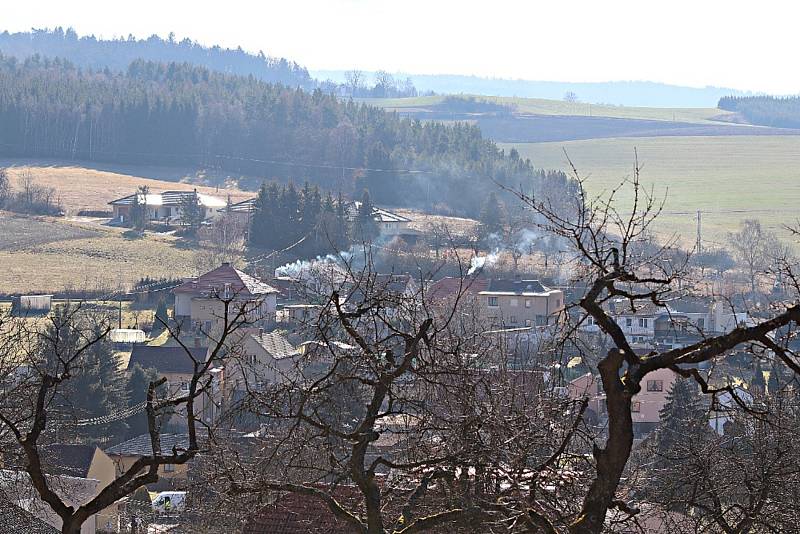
(277, 331)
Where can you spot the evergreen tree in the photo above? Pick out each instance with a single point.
(96, 384)
(138, 212)
(365, 229)
(192, 212)
(493, 217)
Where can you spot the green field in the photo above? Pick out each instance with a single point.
(729, 178)
(540, 106)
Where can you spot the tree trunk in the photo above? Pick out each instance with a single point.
(610, 460)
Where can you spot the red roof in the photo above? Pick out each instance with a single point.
(295, 513)
(450, 287)
(239, 283)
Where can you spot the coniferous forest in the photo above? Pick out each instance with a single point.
(177, 114)
(116, 54)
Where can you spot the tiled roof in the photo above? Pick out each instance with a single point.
(294, 513)
(450, 287)
(166, 359)
(141, 446)
(240, 283)
(245, 206)
(15, 520)
(276, 345)
(68, 459)
(517, 287)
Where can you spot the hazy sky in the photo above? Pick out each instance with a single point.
(744, 45)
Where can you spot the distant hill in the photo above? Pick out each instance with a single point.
(521, 120)
(625, 93)
(117, 54)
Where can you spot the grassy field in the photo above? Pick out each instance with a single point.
(60, 255)
(540, 106)
(728, 178)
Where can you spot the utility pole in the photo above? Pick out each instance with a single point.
(698, 246)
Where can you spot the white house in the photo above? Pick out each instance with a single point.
(166, 206)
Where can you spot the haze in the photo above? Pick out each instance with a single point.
(725, 44)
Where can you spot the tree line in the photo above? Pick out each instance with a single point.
(179, 115)
(780, 112)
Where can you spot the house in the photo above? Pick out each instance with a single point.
(638, 323)
(166, 207)
(171, 476)
(170, 362)
(520, 303)
(645, 405)
(255, 359)
(389, 224)
(85, 462)
(16, 487)
(199, 303)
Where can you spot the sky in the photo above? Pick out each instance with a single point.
(734, 44)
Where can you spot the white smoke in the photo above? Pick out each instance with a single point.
(478, 263)
(302, 268)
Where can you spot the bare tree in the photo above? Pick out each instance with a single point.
(33, 383)
(354, 80)
(754, 248)
(401, 419)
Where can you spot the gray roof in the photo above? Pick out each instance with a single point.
(68, 459)
(166, 359)
(515, 287)
(169, 198)
(15, 520)
(276, 345)
(141, 445)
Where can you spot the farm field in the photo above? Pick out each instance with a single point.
(728, 178)
(540, 106)
(91, 188)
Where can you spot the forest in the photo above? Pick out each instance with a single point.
(780, 112)
(177, 114)
(116, 54)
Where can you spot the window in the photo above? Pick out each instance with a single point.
(512, 320)
(185, 386)
(169, 468)
(514, 303)
(527, 303)
(628, 322)
(643, 323)
(655, 385)
(636, 407)
(701, 323)
(541, 320)
(493, 301)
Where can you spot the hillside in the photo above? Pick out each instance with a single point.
(39, 254)
(182, 116)
(728, 178)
